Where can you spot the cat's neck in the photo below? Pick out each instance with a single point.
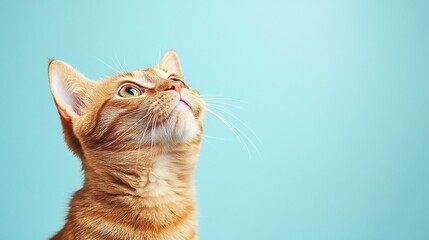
(155, 177)
(156, 195)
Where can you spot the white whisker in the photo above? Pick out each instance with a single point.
(233, 129)
(117, 62)
(218, 102)
(238, 119)
(217, 138)
(122, 134)
(159, 56)
(125, 64)
(207, 140)
(153, 134)
(141, 139)
(219, 98)
(109, 66)
(165, 130)
(141, 119)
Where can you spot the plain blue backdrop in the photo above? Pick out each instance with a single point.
(336, 92)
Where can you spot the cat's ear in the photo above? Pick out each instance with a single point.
(170, 63)
(68, 88)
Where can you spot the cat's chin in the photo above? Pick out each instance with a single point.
(180, 126)
(182, 123)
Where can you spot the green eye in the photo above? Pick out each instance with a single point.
(129, 90)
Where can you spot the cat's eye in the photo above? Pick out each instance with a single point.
(129, 90)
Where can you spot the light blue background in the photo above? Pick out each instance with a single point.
(336, 91)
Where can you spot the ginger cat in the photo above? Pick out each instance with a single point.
(138, 136)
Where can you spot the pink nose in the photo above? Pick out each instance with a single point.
(174, 85)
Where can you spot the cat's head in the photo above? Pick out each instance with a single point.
(129, 111)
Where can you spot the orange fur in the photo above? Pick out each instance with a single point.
(138, 153)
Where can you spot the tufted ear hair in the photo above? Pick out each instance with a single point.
(170, 63)
(68, 88)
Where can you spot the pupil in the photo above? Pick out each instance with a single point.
(131, 91)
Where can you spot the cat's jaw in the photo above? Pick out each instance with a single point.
(182, 123)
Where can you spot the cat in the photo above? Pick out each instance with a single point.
(138, 135)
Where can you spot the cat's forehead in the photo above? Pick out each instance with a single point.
(148, 78)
